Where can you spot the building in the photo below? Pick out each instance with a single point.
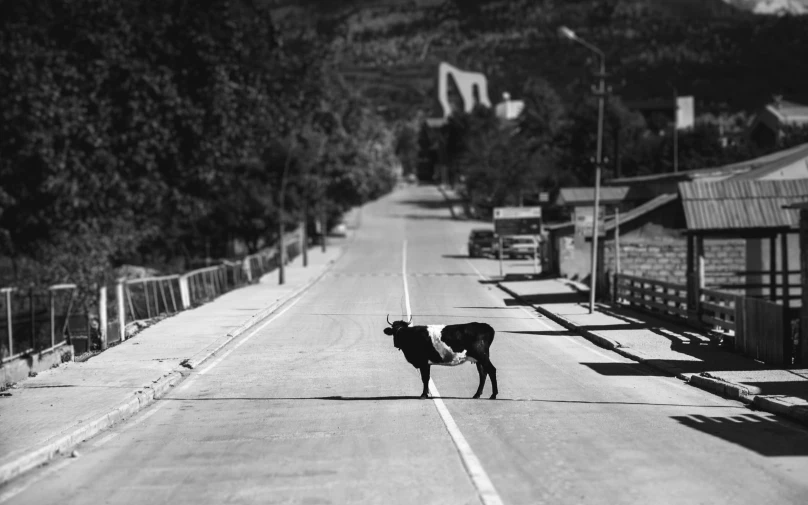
(767, 126)
(789, 163)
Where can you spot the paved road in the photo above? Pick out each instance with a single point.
(316, 406)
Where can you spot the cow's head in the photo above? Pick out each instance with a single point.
(396, 325)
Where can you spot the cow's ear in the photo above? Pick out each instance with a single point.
(388, 331)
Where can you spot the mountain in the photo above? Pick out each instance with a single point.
(769, 7)
(728, 58)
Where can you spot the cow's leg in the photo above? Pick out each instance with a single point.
(492, 371)
(425, 380)
(482, 372)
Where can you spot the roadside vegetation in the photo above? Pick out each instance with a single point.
(158, 133)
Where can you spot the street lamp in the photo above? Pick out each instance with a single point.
(566, 33)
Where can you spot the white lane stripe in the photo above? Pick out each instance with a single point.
(128, 425)
(488, 494)
(483, 277)
(248, 337)
(50, 470)
(485, 488)
(11, 493)
(404, 276)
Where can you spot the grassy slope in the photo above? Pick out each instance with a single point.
(727, 58)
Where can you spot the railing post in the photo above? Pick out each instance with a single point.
(247, 266)
(9, 322)
(52, 318)
(102, 315)
(185, 295)
(121, 311)
(787, 338)
(32, 311)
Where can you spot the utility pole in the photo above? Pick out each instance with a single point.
(601, 93)
(675, 129)
(281, 245)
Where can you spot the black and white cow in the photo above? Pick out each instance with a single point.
(446, 345)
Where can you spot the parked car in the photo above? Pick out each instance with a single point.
(481, 242)
(519, 247)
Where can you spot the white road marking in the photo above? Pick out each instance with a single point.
(483, 277)
(404, 276)
(248, 337)
(7, 495)
(485, 488)
(50, 470)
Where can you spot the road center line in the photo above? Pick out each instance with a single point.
(485, 488)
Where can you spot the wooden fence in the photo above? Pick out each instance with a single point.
(761, 329)
(762, 333)
(658, 297)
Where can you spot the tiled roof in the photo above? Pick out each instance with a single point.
(641, 210)
(741, 205)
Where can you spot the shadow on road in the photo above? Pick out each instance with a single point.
(765, 436)
(552, 333)
(622, 369)
(431, 203)
(466, 398)
(545, 299)
(418, 217)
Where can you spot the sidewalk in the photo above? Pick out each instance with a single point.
(60, 407)
(671, 349)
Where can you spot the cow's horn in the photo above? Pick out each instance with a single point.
(410, 321)
(388, 320)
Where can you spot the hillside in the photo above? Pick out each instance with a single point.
(728, 58)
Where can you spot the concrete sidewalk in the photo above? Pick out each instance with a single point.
(59, 408)
(671, 349)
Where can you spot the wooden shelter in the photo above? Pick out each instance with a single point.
(803, 210)
(750, 210)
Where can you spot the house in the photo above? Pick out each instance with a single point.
(767, 126)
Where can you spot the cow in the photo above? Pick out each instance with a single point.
(445, 345)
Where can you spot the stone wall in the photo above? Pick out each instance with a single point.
(665, 259)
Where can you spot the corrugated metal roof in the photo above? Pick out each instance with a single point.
(741, 205)
(641, 210)
(733, 169)
(793, 155)
(582, 196)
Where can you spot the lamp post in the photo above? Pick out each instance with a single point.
(601, 93)
(675, 128)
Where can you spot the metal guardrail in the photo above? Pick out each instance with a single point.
(37, 321)
(34, 321)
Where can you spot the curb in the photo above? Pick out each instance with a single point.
(793, 408)
(124, 410)
(146, 396)
(205, 354)
(604, 342)
(723, 388)
(782, 406)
